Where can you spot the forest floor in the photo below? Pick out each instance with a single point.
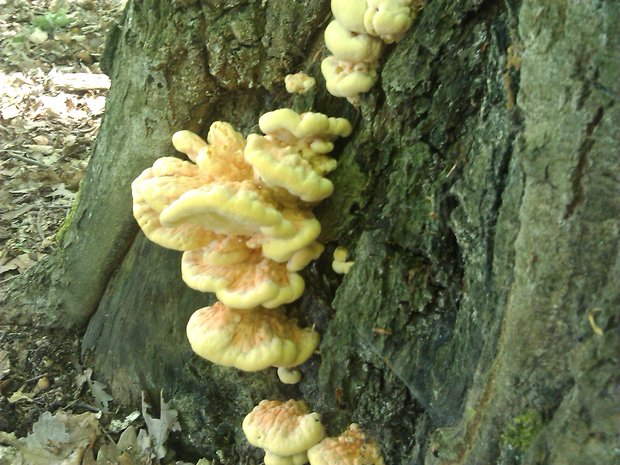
(52, 98)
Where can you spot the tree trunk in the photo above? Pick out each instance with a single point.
(479, 195)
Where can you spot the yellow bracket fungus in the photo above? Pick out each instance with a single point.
(240, 212)
(286, 430)
(355, 39)
(352, 447)
(249, 340)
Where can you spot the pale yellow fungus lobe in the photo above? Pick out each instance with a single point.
(300, 259)
(340, 264)
(232, 208)
(299, 83)
(158, 187)
(188, 143)
(355, 40)
(249, 340)
(388, 19)
(239, 276)
(350, 46)
(288, 375)
(222, 157)
(346, 79)
(350, 13)
(282, 249)
(352, 447)
(282, 428)
(291, 155)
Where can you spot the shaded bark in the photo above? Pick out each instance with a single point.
(479, 195)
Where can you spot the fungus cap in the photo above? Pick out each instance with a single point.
(352, 447)
(239, 276)
(345, 79)
(282, 249)
(166, 181)
(349, 46)
(283, 167)
(350, 13)
(230, 208)
(249, 340)
(290, 127)
(283, 428)
(158, 187)
(388, 19)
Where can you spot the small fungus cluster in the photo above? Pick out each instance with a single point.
(356, 38)
(240, 211)
(299, 83)
(339, 263)
(292, 435)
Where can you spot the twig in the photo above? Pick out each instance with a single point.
(37, 224)
(27, 160)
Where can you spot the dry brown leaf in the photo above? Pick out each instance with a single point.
(20, 263)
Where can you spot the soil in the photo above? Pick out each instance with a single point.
(52, 97)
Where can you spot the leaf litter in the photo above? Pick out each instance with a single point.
(52, 98)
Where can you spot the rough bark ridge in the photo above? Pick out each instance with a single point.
(479, 195)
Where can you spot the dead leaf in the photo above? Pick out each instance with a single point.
(5, 364)
(159, 428)
(38, 36)
(40, 140)
(10, 112)
(97, 389)
(20, 395)
(19, 263)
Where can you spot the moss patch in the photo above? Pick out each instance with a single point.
(69, 218)
(523, 429)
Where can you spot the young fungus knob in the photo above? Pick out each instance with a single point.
(299, 83)
(348, 79)
(350, 13)
(340, 264)
(388, 19)
(289, 375)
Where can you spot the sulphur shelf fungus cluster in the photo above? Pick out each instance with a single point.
(356, 38)
(240, 211)
(292, 435)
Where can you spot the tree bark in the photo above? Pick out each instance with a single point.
(479, 195)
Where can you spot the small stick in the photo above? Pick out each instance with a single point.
(27, 160)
